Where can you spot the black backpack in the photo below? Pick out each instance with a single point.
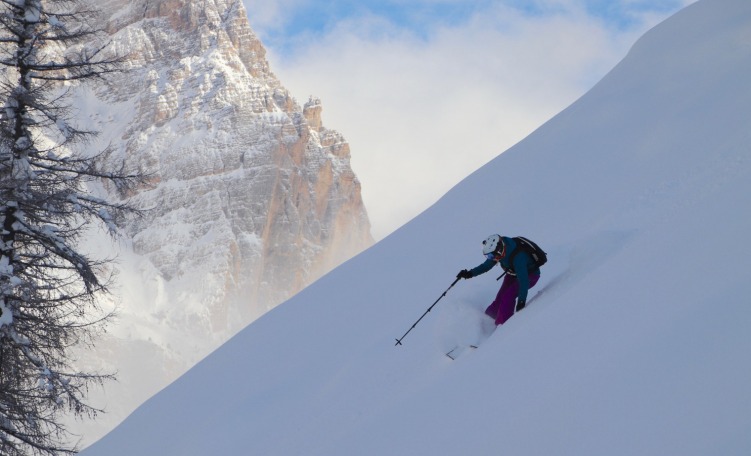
(539, 257)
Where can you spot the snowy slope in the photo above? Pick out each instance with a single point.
(638, 343)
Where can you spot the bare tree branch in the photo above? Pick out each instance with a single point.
(48, 289)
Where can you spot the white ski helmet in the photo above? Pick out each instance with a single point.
(491, 244)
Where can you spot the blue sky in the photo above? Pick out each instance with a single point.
(303, 18)
(427, 91)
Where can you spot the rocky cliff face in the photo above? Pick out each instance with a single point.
(247, 190)
(248, 198)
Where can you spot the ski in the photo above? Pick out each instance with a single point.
(458, 350)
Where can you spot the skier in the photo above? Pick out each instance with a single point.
(517, 257)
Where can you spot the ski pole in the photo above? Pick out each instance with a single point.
(399, 341)
(499, 277)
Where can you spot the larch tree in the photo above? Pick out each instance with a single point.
(48, 287)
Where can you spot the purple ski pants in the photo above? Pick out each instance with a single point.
(503, 307)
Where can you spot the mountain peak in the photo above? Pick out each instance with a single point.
(248, 199)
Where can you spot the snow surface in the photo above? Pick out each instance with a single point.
(635, 342)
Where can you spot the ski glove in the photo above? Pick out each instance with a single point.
(464, 274)
(520, 305)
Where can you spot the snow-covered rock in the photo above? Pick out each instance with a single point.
(248, 199)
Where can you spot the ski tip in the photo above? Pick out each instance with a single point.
(455, 352)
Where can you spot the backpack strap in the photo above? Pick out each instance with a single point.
(511, 256)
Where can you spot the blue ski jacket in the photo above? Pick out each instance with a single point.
(523, 266)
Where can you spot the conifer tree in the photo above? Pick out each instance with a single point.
(48, 288)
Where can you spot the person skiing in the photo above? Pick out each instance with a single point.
(517, 258)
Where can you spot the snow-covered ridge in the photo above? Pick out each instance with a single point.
(635, 341)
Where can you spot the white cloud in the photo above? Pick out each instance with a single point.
(265, 14)
(421, 113)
